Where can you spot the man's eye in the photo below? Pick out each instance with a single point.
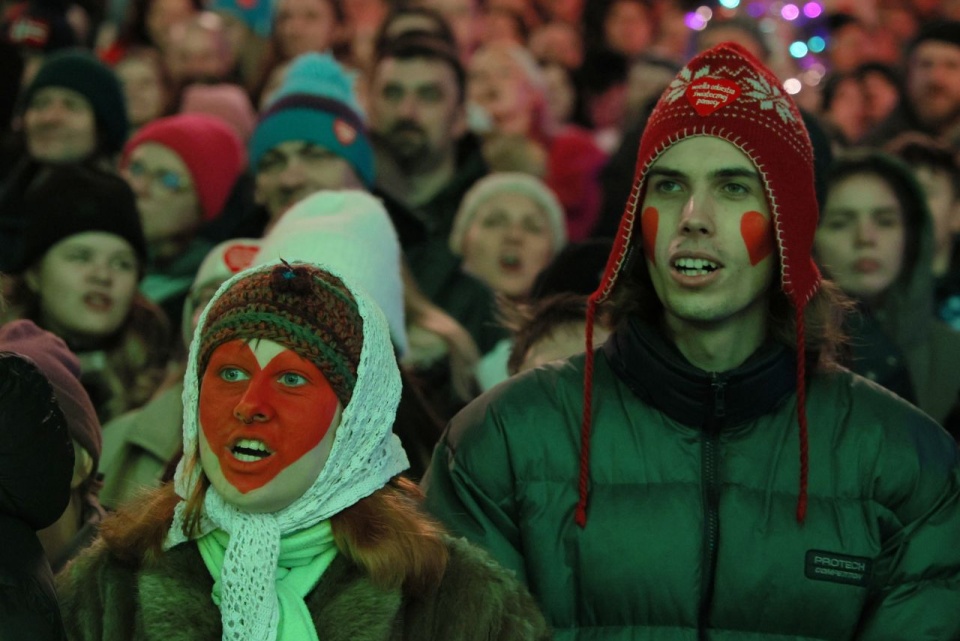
(233, 374)
(316, 153)
(392, 93)
(736, 189)
(291, 379)
(666, 186)
(270, 163)
(834, 224)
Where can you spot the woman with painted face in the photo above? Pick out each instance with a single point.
(287, 519)
(76, 275)
(875, 240)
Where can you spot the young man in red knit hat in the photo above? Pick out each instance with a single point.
(709, 472)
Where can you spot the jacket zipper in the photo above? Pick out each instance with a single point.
(709, 466)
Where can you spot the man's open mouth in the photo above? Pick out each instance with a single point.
(695, 266)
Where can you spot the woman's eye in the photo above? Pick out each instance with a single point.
(293, 380)
(233, 374)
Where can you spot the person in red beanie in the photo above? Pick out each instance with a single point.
(710, 471)
(182, 169)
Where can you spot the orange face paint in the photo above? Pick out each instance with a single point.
(649, 223)
(757, 235)
(287, 406)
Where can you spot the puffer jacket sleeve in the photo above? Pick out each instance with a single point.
(918, 488)
(470, 483)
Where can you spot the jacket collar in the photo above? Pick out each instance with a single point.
(656, 372)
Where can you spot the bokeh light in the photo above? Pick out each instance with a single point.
(695, 22)
(798, 49)
(817, 44)
(755, 9)
(792, 86)
(812, 9)
(730, 4)
(790, 12)
(705, 13)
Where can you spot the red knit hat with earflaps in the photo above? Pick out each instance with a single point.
(727, 93)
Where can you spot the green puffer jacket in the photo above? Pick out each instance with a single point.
(692, 529)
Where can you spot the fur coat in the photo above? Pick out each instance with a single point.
(103, 598)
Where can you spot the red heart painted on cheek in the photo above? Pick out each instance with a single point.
(757, 235)
(649, 222)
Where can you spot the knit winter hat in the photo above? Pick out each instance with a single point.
(946, 31)
(727, 93)
(62, 369)
(70, 199)
(365, 454)
(256, 14)
(316, 103)
(309, 313)
(211, 150)
(230, 103)
(223, 261)
(512, 183)
(351, 232)
(80, 71)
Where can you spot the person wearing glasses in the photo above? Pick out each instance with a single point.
(182, 170)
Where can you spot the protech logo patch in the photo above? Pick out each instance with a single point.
(838, 568)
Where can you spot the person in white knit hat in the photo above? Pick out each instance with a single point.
(507, 229)
(350, 231)
(287, 520)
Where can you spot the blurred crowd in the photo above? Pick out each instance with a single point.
(469, 160)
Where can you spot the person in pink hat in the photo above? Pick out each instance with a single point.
(182, 170)
(710, 471)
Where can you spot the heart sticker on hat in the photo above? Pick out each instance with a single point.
(239, 257)
(707, 95)
(345, 132)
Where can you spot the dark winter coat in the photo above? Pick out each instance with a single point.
(36, 464)
(105, 599)
(691, 526)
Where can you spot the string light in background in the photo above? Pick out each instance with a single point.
(769, 12)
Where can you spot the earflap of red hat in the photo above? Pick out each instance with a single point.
(725, 92)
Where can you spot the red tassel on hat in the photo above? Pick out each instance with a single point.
(727, 93)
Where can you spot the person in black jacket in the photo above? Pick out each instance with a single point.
(36, 463)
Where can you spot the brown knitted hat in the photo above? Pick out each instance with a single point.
(299, 306)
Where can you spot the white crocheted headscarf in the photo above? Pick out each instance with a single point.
(365, 455)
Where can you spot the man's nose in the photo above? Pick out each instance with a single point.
(697, 215)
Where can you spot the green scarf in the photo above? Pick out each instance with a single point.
(304, 557)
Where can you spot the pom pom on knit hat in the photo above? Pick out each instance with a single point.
(62, 369)
(725, 92)
(230, 103)
(316, 103)
(71, 199)
(350, 232)
(298, 306)
(509, 183)
(80, 71)
(209, 148)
